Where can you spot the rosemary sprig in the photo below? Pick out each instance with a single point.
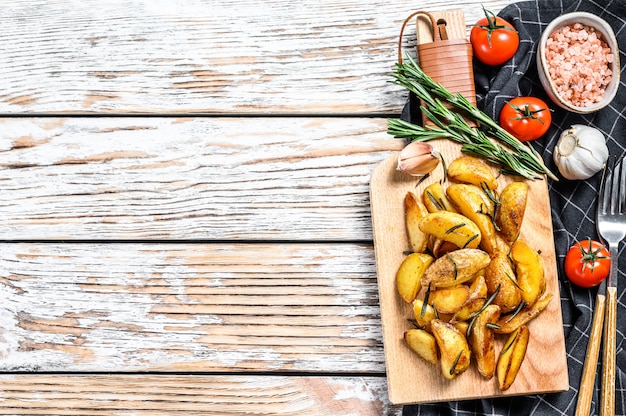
(473, 141)
(522, 160)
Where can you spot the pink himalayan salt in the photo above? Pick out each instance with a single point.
(579, 64)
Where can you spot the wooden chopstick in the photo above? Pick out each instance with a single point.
(585, 393)
(607, 401)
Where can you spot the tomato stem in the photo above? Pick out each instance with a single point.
(492, 25)
(591, 256)
(527, 113)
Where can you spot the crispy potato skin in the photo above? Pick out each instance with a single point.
(482, 341)
(439, 247)
(424, 314)
(453, 348)
(450, 299)
(500, 276)
(452, 227)
(456, 267)
(422, 343)
(479, 289)
(470, 169)
(511, 357)
(475, 302)
(510, 214)
(508, 324)
(409, 275)
(435, 198)
(414, 211)
(461, 326)
(470, 201)
(529, 270)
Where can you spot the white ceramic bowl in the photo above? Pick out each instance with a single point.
(608, 36)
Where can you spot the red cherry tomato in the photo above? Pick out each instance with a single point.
(494, 40)
(587, 263)
(527, 118)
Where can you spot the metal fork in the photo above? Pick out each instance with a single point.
(611, 225)
(585, 392)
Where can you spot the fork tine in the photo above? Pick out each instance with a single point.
(622, 188)
(603, 195)
(616, 187)
(614, 194)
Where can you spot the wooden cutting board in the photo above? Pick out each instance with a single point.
(412, 380)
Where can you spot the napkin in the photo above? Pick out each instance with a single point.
(573, 203)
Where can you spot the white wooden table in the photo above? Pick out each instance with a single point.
(184, 204)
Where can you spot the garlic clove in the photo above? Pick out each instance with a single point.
(418, 159)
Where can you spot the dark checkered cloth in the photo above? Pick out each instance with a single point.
(573, 202)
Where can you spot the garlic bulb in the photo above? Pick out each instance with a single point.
(418, 159)
(580, 152)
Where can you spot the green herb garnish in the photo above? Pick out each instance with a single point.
(521, 160)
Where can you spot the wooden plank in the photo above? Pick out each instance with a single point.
(189, 178)
(189, 307)
(545, 364)
(233, 56)
(139, 395)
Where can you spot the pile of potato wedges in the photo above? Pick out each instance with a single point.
(469, 276)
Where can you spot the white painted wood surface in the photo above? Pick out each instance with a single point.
(189, 307)
(292, 178)
(193, 395)
(205, 56)
(273, 308)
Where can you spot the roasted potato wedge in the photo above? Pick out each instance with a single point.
(452, 227)
(439, 247)
(508, 324)
(502, 244)
(470, 201)
(422, 343)
(469, 277)
(491, 200)
(456, 267)
(414, 211)
(461, 326)
(449, 300)
(409, 275)
(478, 288)
(467, 311)
(500, 277)
(435, 198)
(529, 270)
(453, 348)
(511, 357)
(470, 169)
(424, 314)
(510, 214)
(482, 341)
(475, 302)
